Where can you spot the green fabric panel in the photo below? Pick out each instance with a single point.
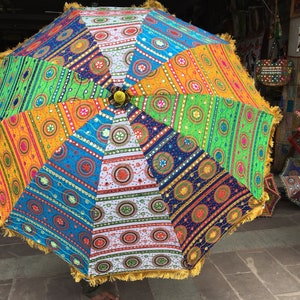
(31, 83)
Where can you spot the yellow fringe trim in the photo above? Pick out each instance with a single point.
(4, 54)
(11, 233)
(154, 4)
(67, 5)
(139, 275)
(147, 4)
(228, 38)
(275, 111)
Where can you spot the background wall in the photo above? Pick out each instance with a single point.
(290, 100)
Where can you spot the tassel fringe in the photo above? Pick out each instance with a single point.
(11, 233)
(139, 275)
(4, 54)
(67, 5)
(228, 38)
(154, 4)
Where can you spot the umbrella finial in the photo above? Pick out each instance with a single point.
(119, 97)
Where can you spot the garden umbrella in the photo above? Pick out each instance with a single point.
(131, 142)
(290, 177)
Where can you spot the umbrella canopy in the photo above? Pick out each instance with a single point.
(273, 193)
(131, 142)
(290, 178)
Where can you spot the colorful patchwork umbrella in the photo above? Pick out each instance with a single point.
(131, 142)
(273, 193)
(290, 178)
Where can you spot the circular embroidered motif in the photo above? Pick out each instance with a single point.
(132, 262)
(199, 213)
(130, 237)
(119, 135)
(181, 233)
(126, 209)
(213, 235)
(163, 162)
(100, 242)
(183, 190)
(122, 174)
(161, 260)
(103, 266)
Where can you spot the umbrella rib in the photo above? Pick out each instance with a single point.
(175, 111)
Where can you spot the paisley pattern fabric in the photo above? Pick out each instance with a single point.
(139, 189)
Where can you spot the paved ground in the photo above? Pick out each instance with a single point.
(259, 261)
